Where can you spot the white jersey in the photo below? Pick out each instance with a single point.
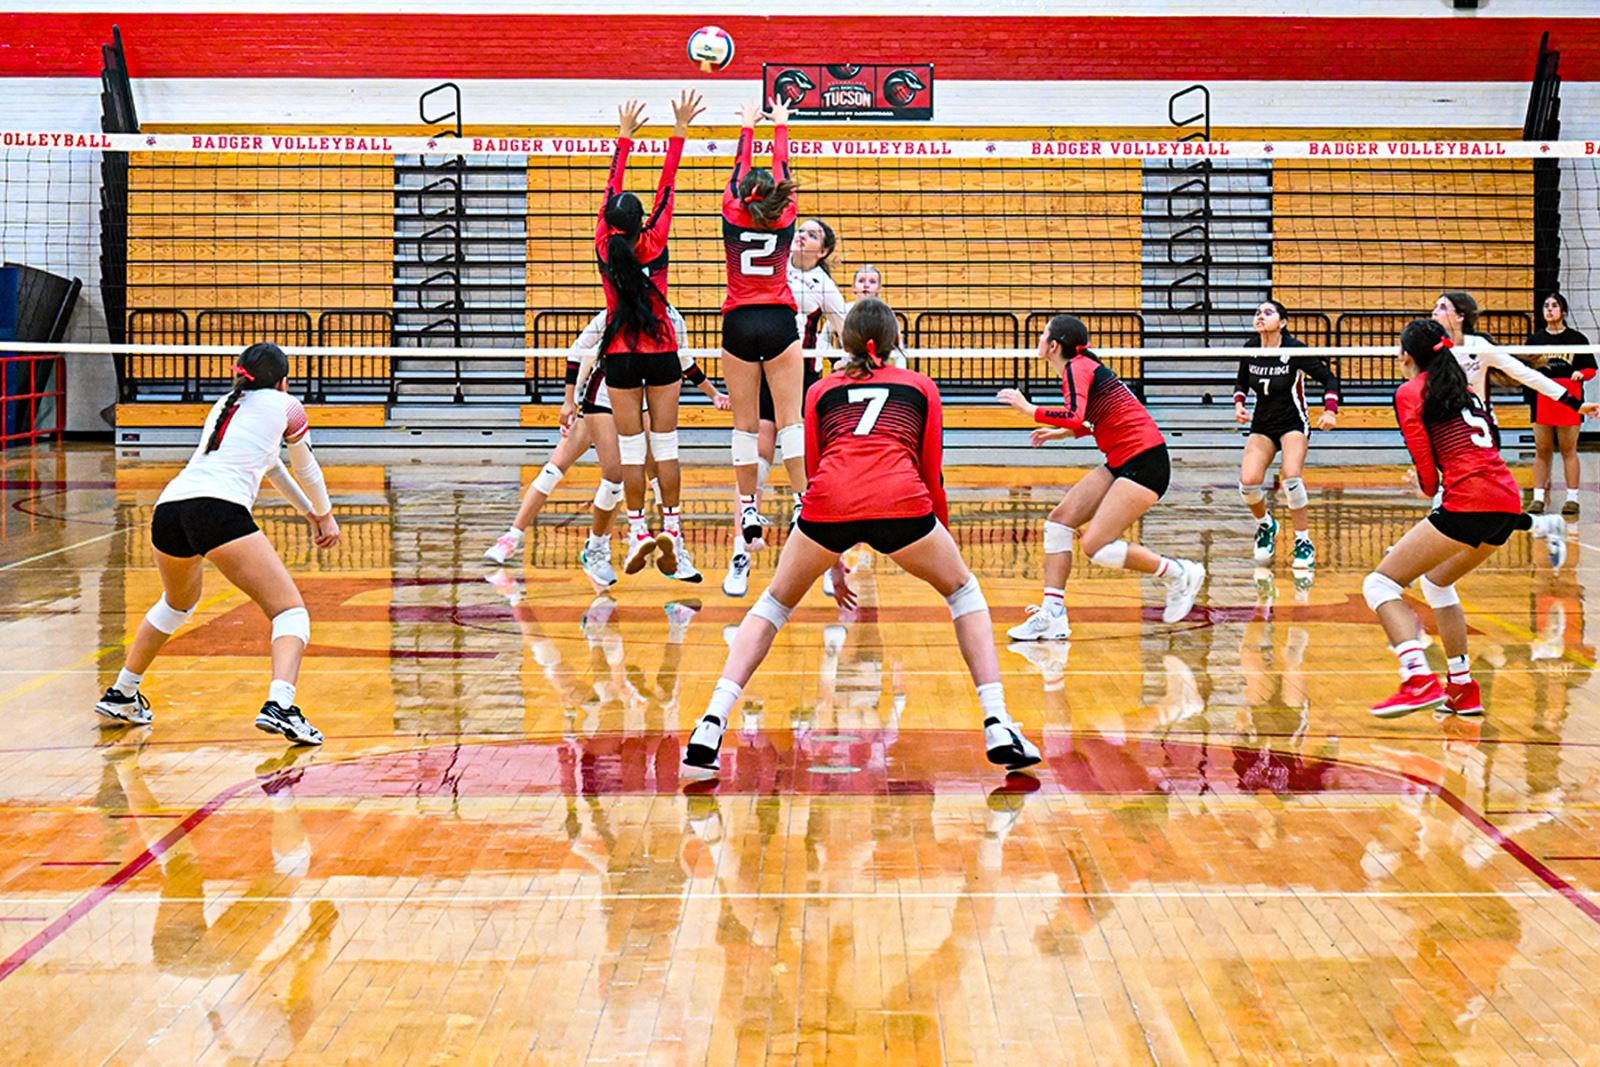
(589, 340)
(249, 449)
(819, 310)
(1477, 355)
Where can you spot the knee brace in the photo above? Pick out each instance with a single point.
(967, 599)
(632, 449)
(664, 446)
(549, 478)
(165, 617)
(746, 448)
(1057, 537)
(792, 442)
(1113, 555)
(607, 495)
(1439, 596)
(1379, 589)
(296, 622)
(770, 610)
(1253, 494)
(1294, 493)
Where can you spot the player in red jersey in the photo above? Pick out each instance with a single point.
(759, 330)
(874, 450)
(1109, 499)
(640, 347)
(1451, 439)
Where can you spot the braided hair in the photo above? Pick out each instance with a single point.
(261, 366)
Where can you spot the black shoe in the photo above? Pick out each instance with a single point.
(291, 724)
(134, 710)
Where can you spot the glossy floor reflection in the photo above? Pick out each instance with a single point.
(494, 859)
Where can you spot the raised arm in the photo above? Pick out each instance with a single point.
(1524, 375)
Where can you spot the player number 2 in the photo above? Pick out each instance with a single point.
(875, 399)
(762, 245)
(1482, 436)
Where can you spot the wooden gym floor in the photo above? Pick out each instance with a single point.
(494, 860)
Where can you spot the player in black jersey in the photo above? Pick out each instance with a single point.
(1281, 425)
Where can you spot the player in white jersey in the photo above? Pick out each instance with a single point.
(597, 428)
(1458, 313)
(204, 514)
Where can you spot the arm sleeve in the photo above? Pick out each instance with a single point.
(833, 310)
(691, 370)
(619, 167)
(1525, 375)
(660, 220)
(780, 152)
(309, 474)
(590, 337)
(1408, 412)
(1583, 364)
(931, 462)
(679, 327)
(1325, 377)
(1076, 385)
(741, 164)
(1241, 382)
(813, 446)
(284, 482)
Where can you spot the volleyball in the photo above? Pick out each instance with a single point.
(711, 47)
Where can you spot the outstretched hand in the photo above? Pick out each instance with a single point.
(749, 114)
(778, 110)
(630, 117)
(688, 107)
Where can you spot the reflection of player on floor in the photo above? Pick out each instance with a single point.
(204, 514)
(1452, 441)
(873, 452)
(1281, 425)
(1110, 498)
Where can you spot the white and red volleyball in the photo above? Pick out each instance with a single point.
(711, 47)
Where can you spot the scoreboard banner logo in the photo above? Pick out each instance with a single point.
(901, 92)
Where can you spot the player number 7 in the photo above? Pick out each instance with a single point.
(875, 399)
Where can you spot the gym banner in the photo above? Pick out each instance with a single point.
(901, 92)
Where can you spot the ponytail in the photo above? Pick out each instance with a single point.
(764, 198)
(635, 312)
(1072, 335)
(871, 333)
(261, 366)
(1445, 393)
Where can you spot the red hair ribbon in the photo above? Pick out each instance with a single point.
(872, 351)
(755, 194)
(1082, 349)
(1444, 342)
(241, 372)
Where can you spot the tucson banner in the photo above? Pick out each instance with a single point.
(894, 91)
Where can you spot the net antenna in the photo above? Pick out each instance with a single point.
(117, 115)
(1543, 123)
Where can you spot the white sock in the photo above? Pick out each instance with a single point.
(636, 523)
(723, 698)
(1538, 494)
(739, 547)
(514, 532)
(128, 682)
(1460, 670)
(598, 539)
(1169, 570)
(992, 698)
(671, 520)
(1413, 664)
(1053, 603)
(281, 693)
(1572, 494)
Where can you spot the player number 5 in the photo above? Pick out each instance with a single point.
(875, 399)
(1482, 436)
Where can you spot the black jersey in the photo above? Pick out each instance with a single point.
(1278, 384)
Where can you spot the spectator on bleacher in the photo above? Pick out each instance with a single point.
(1557, 424)
(868, 282)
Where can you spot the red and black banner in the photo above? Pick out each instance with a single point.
(895, 91)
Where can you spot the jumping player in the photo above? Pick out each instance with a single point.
(639, 345)
(1281, 426)
(1110, 498)
(204, 514)
(874, 448)
(759, 333)
(1449, 434)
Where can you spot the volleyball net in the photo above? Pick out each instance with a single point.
(399, 267)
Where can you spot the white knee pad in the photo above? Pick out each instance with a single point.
(1379, 589)
(1253, 494)
(664, 446)
(769, 609)
(1439, 596)
(746, 448)
(792, 442)
(1057, 537)
(1294, 491)
(607, 495)
(1113, 555)
(967, 599)
(549, 478)
(165, 617)
(296, 622)
(632, 448)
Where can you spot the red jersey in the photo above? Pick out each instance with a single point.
(874, 447)
(1461, 452)
(651, 248)
(1099, 403)
(758, 256)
